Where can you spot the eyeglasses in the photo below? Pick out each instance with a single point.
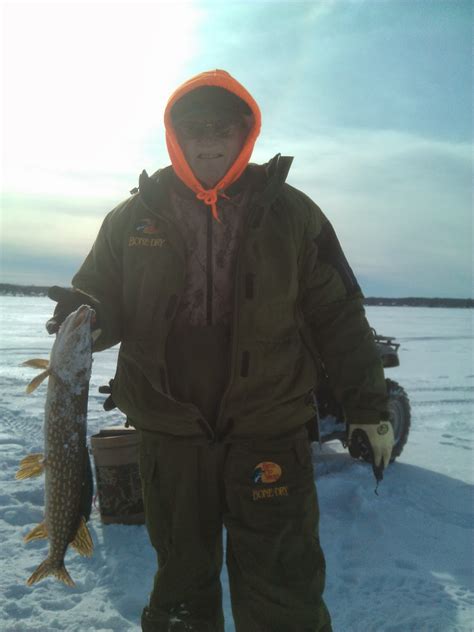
(197, 129)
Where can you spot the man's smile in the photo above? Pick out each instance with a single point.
(209, 156)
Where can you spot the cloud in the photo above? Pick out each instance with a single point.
(20, 265)
(400, 203)
(371, 65)
(401, 206)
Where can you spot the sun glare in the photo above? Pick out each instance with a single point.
(83, 83)
(84, 88)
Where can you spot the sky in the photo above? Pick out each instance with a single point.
(373, 98)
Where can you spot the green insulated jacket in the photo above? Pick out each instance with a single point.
(296, 302)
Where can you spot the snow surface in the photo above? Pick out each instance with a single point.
(398, 562)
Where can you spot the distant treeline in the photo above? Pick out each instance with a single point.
(420, 302)
(7, 289)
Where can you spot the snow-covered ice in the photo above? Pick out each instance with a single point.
(401, 561)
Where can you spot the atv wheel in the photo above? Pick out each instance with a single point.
(400, 416)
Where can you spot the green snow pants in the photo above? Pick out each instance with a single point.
(263, 492)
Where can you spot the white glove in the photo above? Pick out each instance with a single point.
(381, 440)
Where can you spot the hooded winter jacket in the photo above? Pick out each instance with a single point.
(295, 301)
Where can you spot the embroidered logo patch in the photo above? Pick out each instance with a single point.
(270, 492)
(267, 472)
(147, 227)
(150, 242)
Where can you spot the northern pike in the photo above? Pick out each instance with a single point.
(65, 461)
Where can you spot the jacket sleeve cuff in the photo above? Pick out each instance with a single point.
(361, 416)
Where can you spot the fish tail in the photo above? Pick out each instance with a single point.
(38, 533)
(82, 542)
(49, 567)
(31, 465)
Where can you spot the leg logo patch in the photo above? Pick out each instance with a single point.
(267, 472)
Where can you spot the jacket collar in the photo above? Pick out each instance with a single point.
(265, 181)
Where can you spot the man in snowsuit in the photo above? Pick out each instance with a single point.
(225, 286)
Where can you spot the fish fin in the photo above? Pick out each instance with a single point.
(87, 489)
(36, 363)
(95, 334)
(35, 382)
(47, 568)
(31, 465)
(38, 533)
(82, 542)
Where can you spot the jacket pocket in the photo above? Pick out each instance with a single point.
(275, 320)
(281, 357)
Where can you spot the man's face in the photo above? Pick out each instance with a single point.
(211, 145)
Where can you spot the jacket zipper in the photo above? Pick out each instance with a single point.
(235, 320)
(209, 270)
(202, 422)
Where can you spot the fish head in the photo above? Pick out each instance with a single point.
(71, 355)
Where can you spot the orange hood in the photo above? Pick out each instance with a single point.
(220, 79)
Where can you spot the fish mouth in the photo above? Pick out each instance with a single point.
(84, 313)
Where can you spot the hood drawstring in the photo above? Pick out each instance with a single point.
(209, 197)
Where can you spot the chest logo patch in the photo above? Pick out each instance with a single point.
(267, 472)
(148, 242)
(147, 227)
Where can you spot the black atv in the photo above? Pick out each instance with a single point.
(330, 424)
